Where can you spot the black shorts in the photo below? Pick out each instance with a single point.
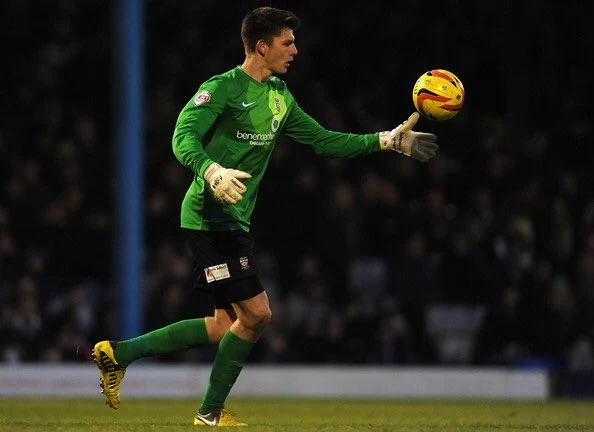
(224, 265)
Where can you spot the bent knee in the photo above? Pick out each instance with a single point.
(266, 317)
(259, 320)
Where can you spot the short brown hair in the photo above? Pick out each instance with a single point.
(266, 23)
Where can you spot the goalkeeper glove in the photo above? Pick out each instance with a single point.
(403, 139)
(225, 184)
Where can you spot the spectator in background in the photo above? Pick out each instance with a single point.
(56, 115)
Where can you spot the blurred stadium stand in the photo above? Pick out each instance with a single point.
(485, 256)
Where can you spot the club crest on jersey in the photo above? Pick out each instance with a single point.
(201, 98)
(275, 123)
(277, 104)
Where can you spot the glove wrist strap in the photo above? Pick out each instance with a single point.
(394, 141)
(386, 141)
(211, 170)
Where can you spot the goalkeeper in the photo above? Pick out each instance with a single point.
(225, 135)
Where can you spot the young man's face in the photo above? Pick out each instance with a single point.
(281, 52)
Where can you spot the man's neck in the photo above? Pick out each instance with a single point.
(254, 68)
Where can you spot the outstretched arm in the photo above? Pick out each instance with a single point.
(304, 129)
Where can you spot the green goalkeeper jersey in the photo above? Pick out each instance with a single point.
(235, 121)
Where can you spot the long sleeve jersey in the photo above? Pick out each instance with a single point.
(235, 120)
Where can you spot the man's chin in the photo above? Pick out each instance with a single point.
(282, 70)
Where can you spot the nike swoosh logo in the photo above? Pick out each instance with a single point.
(245, 105)
(207, 421)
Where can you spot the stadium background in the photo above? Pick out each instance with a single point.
(485, 256)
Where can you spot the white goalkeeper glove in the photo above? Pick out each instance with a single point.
(225, 184)
(403, 139)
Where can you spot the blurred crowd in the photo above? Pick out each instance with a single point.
(484, 256)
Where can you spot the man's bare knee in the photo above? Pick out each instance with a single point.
(257, 320)
(253, 315)
(263, 318)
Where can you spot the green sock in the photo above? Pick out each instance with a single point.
(174, 337)
(228, 362)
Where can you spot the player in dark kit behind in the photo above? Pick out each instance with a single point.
(243, 112)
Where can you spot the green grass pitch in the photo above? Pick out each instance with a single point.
(173, 415)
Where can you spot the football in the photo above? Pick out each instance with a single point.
(438, 95)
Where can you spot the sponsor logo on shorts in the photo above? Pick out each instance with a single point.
(217, 272)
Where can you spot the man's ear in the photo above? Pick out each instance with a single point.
(261, 47)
